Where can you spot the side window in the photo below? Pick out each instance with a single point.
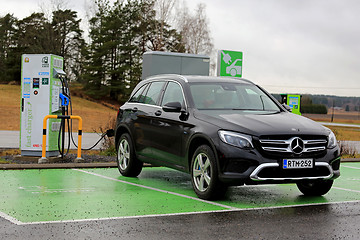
(138, 95)
(173, 93)
(153, 93)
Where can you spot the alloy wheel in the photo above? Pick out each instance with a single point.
(123, 154)
(202, 172)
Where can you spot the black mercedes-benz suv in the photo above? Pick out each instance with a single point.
(223, 131)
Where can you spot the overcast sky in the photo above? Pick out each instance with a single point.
(289, 46)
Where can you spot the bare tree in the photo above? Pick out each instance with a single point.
(164, 10)
(47, 8)
(194, 29)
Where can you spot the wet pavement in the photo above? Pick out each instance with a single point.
(160, 204)
(334, 221)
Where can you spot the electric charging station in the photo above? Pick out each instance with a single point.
(293, 101)
(40, 96)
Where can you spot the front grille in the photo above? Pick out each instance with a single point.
(304, 145)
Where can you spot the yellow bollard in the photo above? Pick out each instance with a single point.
(43, 158)
(79, 158)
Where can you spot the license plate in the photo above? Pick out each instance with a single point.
(297, 163)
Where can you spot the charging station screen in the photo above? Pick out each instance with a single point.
(36, 82)
(294, 102)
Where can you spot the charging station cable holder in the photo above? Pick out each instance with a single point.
(64, 100)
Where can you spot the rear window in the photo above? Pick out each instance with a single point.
(138, 95)
(153, 93)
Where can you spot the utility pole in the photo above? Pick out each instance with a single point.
(332, 115)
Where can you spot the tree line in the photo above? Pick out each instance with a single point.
(347, 103)
(109, 63)
(320, 104)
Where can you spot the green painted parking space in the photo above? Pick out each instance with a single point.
(346, 188)
(72, 194)
(350, 176)
(56, 195)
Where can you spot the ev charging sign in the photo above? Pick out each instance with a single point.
(229, 63)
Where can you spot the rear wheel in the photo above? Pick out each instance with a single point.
(204, 174)
(127, 162)
(315, 188)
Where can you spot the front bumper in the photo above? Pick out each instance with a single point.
(239, 166)
(256, 174)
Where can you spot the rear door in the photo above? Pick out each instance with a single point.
(168, 129)
(143, 107)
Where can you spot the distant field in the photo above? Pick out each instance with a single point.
(342, 133)
(94, 115)
(339, 117)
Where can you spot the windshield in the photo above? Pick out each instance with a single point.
(231, 96)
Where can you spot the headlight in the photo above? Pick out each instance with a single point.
(236, 139)
(331, 140)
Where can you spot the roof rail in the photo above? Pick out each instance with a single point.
(169, 75)
(246, 80)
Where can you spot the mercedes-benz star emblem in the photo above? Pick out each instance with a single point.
(297, 145)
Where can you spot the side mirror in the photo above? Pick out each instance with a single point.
(287, 107)
(172, 107)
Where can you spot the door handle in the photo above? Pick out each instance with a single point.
(158, 113)
(134, 109)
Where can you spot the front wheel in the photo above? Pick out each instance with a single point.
(315, 188)
(127, 162)
(204, 174)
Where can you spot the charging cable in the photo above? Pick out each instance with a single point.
(66, 99)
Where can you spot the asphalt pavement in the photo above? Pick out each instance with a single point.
(336, 221)
(340, 124)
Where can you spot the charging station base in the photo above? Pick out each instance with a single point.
(36, 153)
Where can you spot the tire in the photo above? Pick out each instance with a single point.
(315, 188)
(128, 164)
(204, 175)
(233, 72)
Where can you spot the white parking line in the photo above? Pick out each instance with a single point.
(346, 189)
(351, 167)
(10, 218)
(158, 190)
